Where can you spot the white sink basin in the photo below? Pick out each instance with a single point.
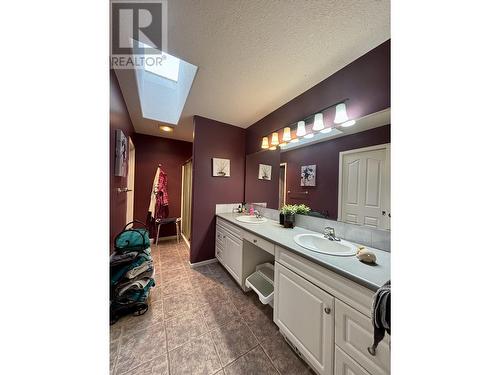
(251, 219)
(320, 244)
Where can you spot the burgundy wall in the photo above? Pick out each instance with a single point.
(324, 196)
(260, 191)
(219, 140)
(118, 119)
(365, 82)
(171, 154)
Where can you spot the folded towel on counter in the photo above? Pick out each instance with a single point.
(381, 315)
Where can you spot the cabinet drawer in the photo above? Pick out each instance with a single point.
(259, 242)
(354, 334)
(230, 228)
(345, 365)
(219, 252)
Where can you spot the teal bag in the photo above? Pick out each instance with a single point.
(132, 239)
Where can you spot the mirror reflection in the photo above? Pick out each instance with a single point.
(342, 174)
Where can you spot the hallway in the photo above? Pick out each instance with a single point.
(199, 322)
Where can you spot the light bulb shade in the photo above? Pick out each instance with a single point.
(287, 135)
(301, 129)
(318, 122)
(274, 139)
(265, 143)
(348, 123)
(340, 113)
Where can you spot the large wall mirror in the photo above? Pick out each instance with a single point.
(341, 174)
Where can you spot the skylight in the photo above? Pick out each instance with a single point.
(167, 66)
(163, 82)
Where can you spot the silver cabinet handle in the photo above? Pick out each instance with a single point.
(254, 241)
(328, 310)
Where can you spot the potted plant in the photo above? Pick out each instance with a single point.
(302, 209)
(289, 211)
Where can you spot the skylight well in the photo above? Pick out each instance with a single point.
(163, 82)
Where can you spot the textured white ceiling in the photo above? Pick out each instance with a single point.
(256, 55)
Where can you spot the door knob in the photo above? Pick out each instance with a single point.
(383, 213)
(327, 310)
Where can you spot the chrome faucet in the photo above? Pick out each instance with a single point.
(330, 234)
(257, 214)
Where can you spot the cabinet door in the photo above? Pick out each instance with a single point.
(232, 256)
(304, 313)
(345, 365)
(354, 334)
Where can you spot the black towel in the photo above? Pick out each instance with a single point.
(381, 315)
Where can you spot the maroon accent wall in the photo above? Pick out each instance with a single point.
(171, 154)
(365, 82)
(325, 155)
(118, 119)
(213, 139)
(261, 191)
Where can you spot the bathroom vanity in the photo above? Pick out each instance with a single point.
(322, 303)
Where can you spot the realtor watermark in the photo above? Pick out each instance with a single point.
(138, 33)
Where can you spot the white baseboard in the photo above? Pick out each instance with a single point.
(199, 264)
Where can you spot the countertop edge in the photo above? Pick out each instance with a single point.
(358, 280)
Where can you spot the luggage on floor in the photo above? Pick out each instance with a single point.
(132, 239)
(131, 272)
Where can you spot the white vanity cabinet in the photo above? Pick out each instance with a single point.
(323, 315)
(326, 317)
(229, 248)
(240, 251)
(305, 314)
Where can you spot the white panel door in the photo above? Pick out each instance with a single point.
(304, 313)
(365, 186)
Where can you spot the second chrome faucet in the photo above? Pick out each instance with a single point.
(330, 234)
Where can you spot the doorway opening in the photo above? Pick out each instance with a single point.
(186, 199)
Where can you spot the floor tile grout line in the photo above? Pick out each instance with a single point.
(272, 363)
(241, 355)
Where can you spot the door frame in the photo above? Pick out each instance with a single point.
(129, 211)
(183, 219)
(384, 146)
(284, 187)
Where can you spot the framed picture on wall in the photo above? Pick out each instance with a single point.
(265, 172)
(121, 154)
(221, 167)
(308, 175)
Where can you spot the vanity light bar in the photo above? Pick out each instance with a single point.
(341, 118)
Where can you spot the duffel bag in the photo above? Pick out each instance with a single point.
(132, 239)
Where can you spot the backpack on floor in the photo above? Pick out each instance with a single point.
(132, 239)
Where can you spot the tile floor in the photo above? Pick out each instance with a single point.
(199, 322)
